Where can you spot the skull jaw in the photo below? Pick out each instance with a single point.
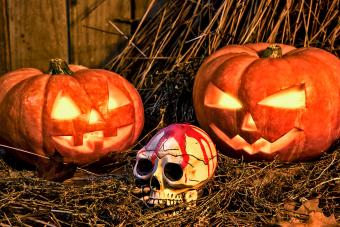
(170, 197)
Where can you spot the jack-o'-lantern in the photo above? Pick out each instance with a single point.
(82, 115)
(263, 101)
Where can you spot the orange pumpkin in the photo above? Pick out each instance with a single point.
(82, 115)
(264, 101)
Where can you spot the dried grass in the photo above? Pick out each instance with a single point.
(241, 194)
(161, 59)
(169, 44)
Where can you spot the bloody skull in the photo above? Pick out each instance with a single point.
(177, 161)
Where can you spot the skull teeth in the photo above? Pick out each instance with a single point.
(157, 195)
(168, 202)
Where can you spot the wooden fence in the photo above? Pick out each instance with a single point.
(34, 31)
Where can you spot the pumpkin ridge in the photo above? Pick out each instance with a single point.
(272, 64)
(329, 73)
(240, 73)
(97, 73)
(44, 128)
(237, 49)
(130, 138)
(39, 150)
(13, 82)
(134, 99)
(16, 97)
(113, 77)
(52, 81)
(243, 74)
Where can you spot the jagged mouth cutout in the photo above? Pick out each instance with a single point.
(260, 145)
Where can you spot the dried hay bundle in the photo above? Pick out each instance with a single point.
(169, 44)
(240, 194)
(161, 59)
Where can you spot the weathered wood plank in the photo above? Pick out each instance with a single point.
(38, 32)
(4, 39)
(141, 6)
(93, 40)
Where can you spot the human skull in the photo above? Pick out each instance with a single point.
(176, 162)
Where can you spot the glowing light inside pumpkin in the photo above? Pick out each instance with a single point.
(95, 139)
(94, 117)
(291, 98)
(248, 123)
(216, 98)
(260, 145)
(64, 108)
(116, 97)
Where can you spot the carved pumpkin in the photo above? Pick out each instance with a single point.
(82, 116)
(264, 102)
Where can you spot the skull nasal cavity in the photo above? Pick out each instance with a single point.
(248, 123)
(155, 183)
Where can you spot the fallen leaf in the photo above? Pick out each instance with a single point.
(309, 206)
(311, 210)
(319, 219)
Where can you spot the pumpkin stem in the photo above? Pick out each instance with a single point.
(272, 51)
(59, 66)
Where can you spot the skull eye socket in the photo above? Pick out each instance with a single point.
(144, 167)
(173, 171)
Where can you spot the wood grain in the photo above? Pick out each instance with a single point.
(4, 39)
(93, 41)
(141, 6)
(38, 32)
(34, 31)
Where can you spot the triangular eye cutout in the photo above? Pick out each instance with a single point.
(216, 98)
(116, 97)
(290, 98)
(64, 108)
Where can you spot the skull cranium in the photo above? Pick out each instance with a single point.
(176, 162)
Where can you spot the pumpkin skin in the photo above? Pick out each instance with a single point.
(105, 114)
(264, 108)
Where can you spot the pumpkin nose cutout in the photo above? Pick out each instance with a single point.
(94, 117)
(248, 124)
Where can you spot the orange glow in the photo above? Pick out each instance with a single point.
(215, 97)
(291, 98)
(96, 135)
(64, 108)
(260, 145)
(248, 123)
(116, 98)
(94, 117)
(95, 140)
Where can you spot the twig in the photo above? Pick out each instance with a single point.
(127, 38)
